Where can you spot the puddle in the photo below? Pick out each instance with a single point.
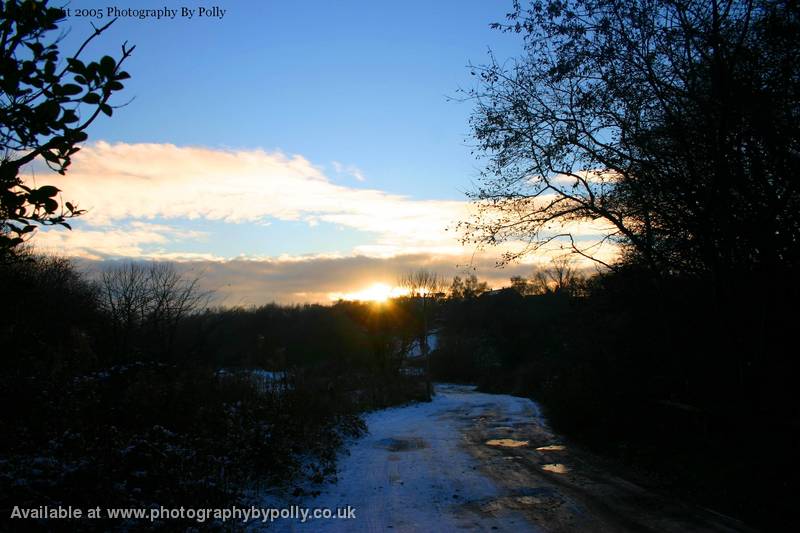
(507, 443)
(541, 504)
(401, 445)
(551, 448)
(557, 468)
(493, 507)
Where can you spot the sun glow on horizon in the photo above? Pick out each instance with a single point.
(377, 292)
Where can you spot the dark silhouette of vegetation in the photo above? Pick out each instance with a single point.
(147, 302)
(124, 390)
(469, 287)
(45, 109)
(653, 385)
(423, 287)
(675, 125)
(560, 276)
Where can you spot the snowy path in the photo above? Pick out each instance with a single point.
(484, 462)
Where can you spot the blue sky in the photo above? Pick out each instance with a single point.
(364, 83)
(284, 133)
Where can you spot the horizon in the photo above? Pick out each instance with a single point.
(334, 146)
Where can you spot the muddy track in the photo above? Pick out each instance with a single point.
(470, 461)
(561, 488)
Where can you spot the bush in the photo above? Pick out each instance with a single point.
(85, 423)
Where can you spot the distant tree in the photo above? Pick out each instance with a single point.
(421, 282)
(424, 286)
(457, 288)
(469, 287)
(45, 109)
(674, 123)
(146, 302)
(522, 285)
(560, 277)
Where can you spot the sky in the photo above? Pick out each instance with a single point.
(284, 151)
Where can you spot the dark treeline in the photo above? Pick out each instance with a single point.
(673, 126)
(697, 392)
(123, 390)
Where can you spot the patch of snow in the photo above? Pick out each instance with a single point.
(264, 380)
(415, 350)
(412, 473)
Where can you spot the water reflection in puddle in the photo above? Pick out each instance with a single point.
(507, 443)
(551, 448)
(557, 468)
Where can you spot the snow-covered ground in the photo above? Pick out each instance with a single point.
(484, 462)
(413, 472)
(415, 350)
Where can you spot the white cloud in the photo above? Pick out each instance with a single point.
(126, 187)
(352, 170)
(124, 240)
(119, 182)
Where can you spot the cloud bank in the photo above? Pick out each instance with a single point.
(122, 182)
(318, 279)
(136, 195)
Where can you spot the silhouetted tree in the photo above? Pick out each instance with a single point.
(674, 123)
(423, 285)
(560, 277)
(146, 302)
(43, 112)
(522, 285)
(468, 287)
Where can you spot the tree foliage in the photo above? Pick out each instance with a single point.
(561, 276)
(469, 287)
(116, 392)
(672, 122)
(46, 105)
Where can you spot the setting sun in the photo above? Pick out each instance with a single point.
(377, 292)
